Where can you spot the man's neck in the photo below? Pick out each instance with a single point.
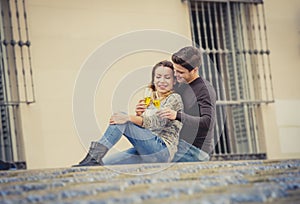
(193, 79)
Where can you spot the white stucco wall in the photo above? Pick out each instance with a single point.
(282, 120)
(64, 34)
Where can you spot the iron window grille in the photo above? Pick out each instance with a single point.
(16, 77)
(233, 37)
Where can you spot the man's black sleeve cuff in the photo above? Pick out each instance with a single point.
(178, 116)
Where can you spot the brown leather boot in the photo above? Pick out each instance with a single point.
(94, 157)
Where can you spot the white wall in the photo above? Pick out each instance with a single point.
(64, 34)
(282, 119)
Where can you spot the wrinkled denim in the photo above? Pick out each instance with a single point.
(186, 153)
(189, 153)
(147, 147)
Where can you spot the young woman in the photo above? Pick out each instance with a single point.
(154, 139)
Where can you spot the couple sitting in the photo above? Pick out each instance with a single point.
(180, 131)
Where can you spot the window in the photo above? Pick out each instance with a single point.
(232, 35)
(16, 82)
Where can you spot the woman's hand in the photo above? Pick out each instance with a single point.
(119, 118)
(167, 113)
(140, 108)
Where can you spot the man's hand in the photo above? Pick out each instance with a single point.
(140, 108)
(118, 118)
(167, 113)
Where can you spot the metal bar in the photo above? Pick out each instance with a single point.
(199, 37)
(7, 133)
(229, 92)
(254, 156)
(220, 122)
(2, 147)
(233, 50)
(262, 52)
(219, 50)
(236, 8)
(248, 127)
(232, 133)
(221, 91)
(244, 35)
(256, 126)
(6, 79)
(191, 22)
(239, 102)
(256, 40)
(4, 103)
(13, 64)
(5, 56)
(2, 57)
(21, 49)
(233, 128)
(241, 47)
(20, 151)
(208, 74)
(214, 52)
(251, 126)
(267, 51)
(13, 132)
(238, 119)
(29, 53)
(213, 49)
(204, 28)
(255, 53)
(226, 52)
(221, 44)
(205, 48)
(208, 49)
(253, 68)
(225, 1)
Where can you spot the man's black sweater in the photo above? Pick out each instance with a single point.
(198, 117)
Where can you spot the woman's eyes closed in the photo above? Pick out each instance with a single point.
(166, 77)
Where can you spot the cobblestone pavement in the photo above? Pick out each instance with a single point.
(256, 181)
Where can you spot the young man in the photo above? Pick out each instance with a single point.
(199, 99)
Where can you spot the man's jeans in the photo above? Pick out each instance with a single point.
(147, 147)
(189, 153)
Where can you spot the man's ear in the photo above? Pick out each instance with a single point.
(196, 70)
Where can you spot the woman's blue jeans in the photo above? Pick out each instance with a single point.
(185, 153)
(147, 147)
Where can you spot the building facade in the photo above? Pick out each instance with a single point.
(251, 55)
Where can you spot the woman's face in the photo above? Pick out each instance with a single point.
(163, 79)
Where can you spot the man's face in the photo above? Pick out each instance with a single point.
(182, 74)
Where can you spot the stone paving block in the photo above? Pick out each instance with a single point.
(257, 181)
